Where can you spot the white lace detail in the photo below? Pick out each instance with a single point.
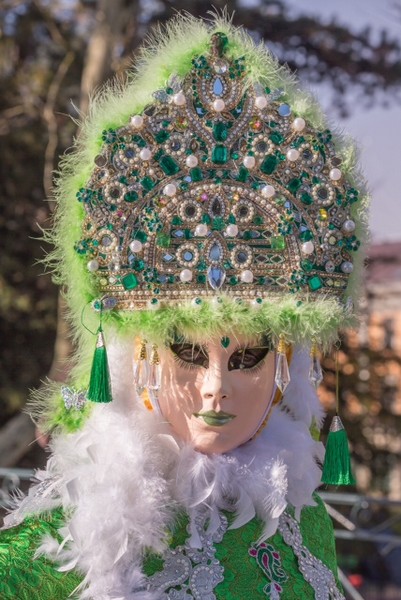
(194, 571)
(319, 577)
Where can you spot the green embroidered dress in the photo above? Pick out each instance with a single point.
(247, 573)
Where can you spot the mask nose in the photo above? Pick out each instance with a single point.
(215, 388)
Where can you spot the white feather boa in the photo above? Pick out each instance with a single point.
(121, 479)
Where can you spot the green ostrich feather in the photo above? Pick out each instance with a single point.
(170, 50)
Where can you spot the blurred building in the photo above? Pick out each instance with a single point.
(370, 375)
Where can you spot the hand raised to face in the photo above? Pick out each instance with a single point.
(215, 395)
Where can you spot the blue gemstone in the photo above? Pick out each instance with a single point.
(168, 257)
(178, 233)
(217, 87)
(216, 277)
(188, 256)
(284, 110)
(109, 303)
(162, 278)
(215, 252)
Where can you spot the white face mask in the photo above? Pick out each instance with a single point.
(216, 397)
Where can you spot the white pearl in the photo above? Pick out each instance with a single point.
(335, 174)
(135, 246)
(186, 275)
(268, 191)
(298, 124)
(347, 267)
(219, 105)
(348, 226)
(307, 247)
(191, 161)
(137, 121)
(232, 230)
(292, 154)
(170, 190)
(249, 162)
(261, 102)
(179, 99)
(93, 265)
(201, 230)
(247, 276)
(145, 154)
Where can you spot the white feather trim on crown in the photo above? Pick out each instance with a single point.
(122, 477)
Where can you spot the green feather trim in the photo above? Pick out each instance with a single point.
(337, 461)
(99, 385)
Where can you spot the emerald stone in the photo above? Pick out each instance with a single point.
(176, 220)
(220, 154)
(220, 131)
(225, 341)
(306, 198)
(147, 183)
(218, 224)
(233, 280)
(243, 175)
(307, 265)
(294, 185)
(305, 236)
(277, 138)
(169, 165)
(139, 235)
(201, 278)
(131, 196)
(162, 136)
(163, 240)
(196, 174)
(278, 242)
(315, 283)
(269, 164)
(258, 220)
(129, 281)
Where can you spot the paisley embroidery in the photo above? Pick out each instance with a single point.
(188, 572)
(269, 561)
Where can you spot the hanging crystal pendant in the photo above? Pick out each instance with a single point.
(141, 370)
(154, 378)
(282, 376)
(315, 371)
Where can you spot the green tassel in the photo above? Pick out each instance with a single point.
(337, 462)
(99, 385)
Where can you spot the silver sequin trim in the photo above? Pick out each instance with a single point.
(319, 577)
(195, 571)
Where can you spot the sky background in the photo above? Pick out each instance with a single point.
(377, 130)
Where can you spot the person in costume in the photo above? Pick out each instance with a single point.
(208, 232)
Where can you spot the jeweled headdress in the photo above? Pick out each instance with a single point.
(211, 189)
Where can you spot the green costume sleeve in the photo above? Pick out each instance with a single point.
(22, 577)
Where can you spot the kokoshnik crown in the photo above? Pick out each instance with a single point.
(217, 188)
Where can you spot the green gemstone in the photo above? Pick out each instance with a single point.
(169, 165)
(305, 236)
(232, 219)
(129, 281)
(131, 196)
(220, 131)
(162, 136)
(220, 154)
(196, 174)
(147, 183)
(261, 280)
(306, 198)
(233, 280)
(243, 175)
(225, 341)
(278, 242)
(294, 185)
(163, 240)
(258, 220)
(218, 224)
(206, 219)
(140, 235)
(277, 138)
(176, 220)
(307, 265)
(201, 278)
(315, 283)
(269, 164)
(140, 265)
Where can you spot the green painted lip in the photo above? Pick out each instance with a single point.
(215, 419)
